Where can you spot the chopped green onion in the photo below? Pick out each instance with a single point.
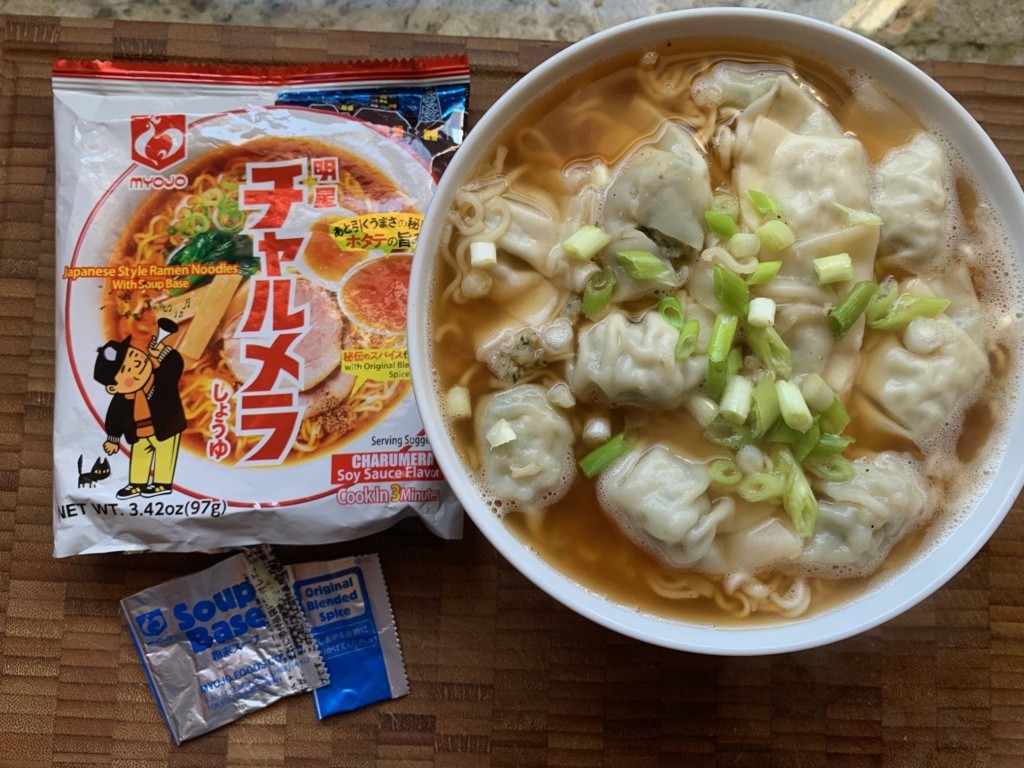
(670, 309)
(764, 203)
(734, 362)
(783, 433)
(688, 338)
(501, 432)
(908, 307)
(883, 299)
(643, 265)
(792, 406)
(771, 349)
(861, 217)
(598, 292)
(603, 455)
(834, 269)
(833, 467)
(457, 404)
(761, 312)
(586, 242)
(721, 224)
(744, 245)
(844, 314)
(831, 444)
(817, 394)
(764, 273)
(797, 497)
(835, 418)
(765, 407)
(731, 291)
(807, 442)
(776, 235)
(722, 334)
(737, 399)
(483, 254)
(724, 472)
(703, 409)
(728, 435)
(761, 486)
(727, 204)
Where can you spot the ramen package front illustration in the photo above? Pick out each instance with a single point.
(233, 255)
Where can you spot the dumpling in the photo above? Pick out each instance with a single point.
(663, 188)
(628, 288)
(912, 202)
(622, 362)
(919, 381)
(661, 501)
(534, 469)
(859, 520)
(964, 307)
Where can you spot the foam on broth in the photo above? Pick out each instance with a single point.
(575, 535)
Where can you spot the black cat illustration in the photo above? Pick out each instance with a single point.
(100, 471)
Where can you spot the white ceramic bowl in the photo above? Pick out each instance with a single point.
(931, 569)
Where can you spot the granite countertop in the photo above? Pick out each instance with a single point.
(962, 30)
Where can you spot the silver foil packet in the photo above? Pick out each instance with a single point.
(223, 642)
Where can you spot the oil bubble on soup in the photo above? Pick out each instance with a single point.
(710, 329)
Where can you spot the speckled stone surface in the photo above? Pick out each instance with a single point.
(955, 30)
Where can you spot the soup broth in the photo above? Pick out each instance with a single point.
(580, 139)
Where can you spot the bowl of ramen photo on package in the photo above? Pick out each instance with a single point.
(715, 330)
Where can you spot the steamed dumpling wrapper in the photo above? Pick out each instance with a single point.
(535, 469)
(920, 377)
(622, 362)
(664, 187)
(911, 200)
(661, 500)
(859, 520)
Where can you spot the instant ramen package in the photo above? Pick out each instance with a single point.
(233, 254)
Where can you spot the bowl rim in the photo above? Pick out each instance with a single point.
(932, 568)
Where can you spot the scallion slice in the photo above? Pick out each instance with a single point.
(744, 245)
(764, 203)
(727, 204)
(817, 394)
(842, 316)
(586, 242)
(703, 409)
(764, 273)
(807, 442)
(721, 224)
(688, 338)
(830, 467)
(908, 307)
(783, 433)
(830, 444)
(771, 349)
(598, 292)
(724, 472)
(837, 268)
(643, 265)
(761, 486)
(605, 454)
(792, 406)
(737, 399)
(797, 497)
(721, 432)
(883, 299)
(835, 419)
(861, 217)
(765, 407)
(722, 334)
(731, 291)
(776, 235)
(670, 309)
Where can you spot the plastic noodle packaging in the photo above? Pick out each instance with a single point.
(223, 642)
(233, 254)
(347, 605)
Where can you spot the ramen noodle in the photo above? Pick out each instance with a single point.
(232, 282)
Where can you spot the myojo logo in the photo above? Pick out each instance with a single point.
(158, 141)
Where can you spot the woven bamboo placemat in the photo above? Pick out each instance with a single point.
(501, 675)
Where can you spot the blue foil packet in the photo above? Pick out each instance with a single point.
(346, 603)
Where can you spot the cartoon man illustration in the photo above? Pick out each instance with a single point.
(145, 408)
